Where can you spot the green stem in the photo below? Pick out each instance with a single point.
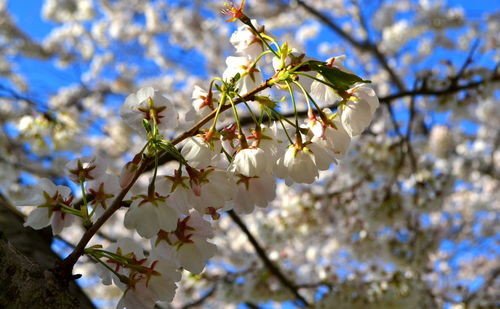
(262, 39)
(281, 116)
(72, 211)
(222, 101)
(270, 38)
(284, 129)
(306, 94)
(151, 187)
(248, 107)
(84, 210)
(323, 82)
(236, 115)
(120, 276)
(290, 90)
(260, 56)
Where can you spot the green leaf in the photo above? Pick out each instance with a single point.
(173, 151)
(146, 125)
(340, 79)
(235, 78)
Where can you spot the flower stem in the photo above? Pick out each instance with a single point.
(222, 101)
(290, 90)
(262, 39)
(151, 187)
(85, 210)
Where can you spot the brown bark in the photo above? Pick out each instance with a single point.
(25, 262)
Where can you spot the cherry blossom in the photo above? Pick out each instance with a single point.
(149, 214)
(126, 247)
(298, 165)
(253, 191)
(246, 42)
(86, 168)
(200, 151)
(252, 162)
(359, 109)
(330, 135)
(404, 184)
(211, 188)
(49, 200)
(147, 279)
(147, 104)
(203, 102)
(178, 189)
(187, 244)
(156, 284)
(250, 75)
(103, 190)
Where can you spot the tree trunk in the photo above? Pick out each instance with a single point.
(25, 260)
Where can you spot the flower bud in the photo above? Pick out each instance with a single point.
(129, 170)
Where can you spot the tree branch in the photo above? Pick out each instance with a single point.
(202, 299)
(265, 259)
(423, 91)
(64, 270)
(487, 283)
(365, 47)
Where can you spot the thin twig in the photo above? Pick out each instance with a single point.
(202, 299)
(265, 259)
(487, 283)
(423, 91)
(364, 47)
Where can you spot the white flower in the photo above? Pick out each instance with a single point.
(202, 103)
(193, 256)
(140, 296)
(250, 78)
(294, 58)
(129, 170)
(246, 42)
(297, 165)
(332, 135)
(211, 188)
(358, 111)
(440, 141)
(148, 104)
(323, 93)
(86, 168)
(150, 214)
(188, 245)
(49, 201)
(253, 191)
(199, 152)
(103, 190)
(155, 283)
(149, 279)
(322, 157)
(272, 139)
(229, 138)
(123, 247)
(178, 189)
(336, 62)
(252, 162)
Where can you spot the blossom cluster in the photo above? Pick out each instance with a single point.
(222, 165)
